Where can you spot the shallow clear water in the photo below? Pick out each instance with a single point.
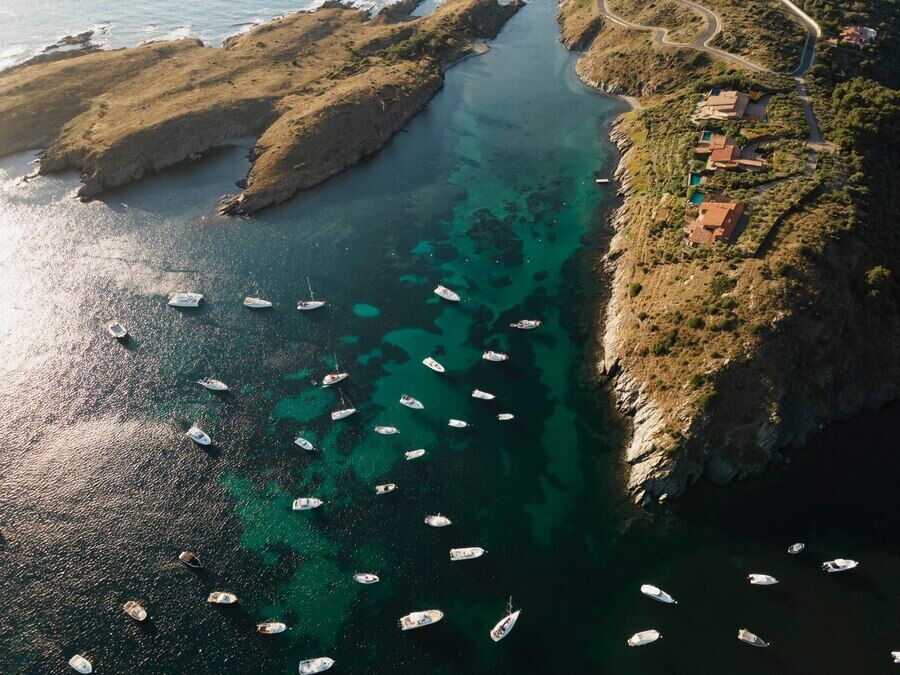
(490, 191)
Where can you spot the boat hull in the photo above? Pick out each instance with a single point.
(504, 626)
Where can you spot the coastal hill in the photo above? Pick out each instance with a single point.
(316, 91)
(754, 294)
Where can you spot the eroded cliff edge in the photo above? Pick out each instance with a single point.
(725, 357)
(315, 90)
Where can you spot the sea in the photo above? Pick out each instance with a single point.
(490, 191)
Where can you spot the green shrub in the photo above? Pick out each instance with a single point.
(695, 322)
(634, 288)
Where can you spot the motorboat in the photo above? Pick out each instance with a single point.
(256, 303)
(525, 324)
(434, 365)
(466, 553)
(446, 294)
(312, 303)
(413, 454)
(270, 627)
(366, 578)
(411, 402)
(839, 565)
(762, 579)
(212, 384)
(494, 356)
(896, 656)
(317, 665)
(135, 611)
(185, 299)
(190, 559)
(307, 503)
(420, 619)
(117, 330)
(437, 521)
(505, 625)
(386, 431)
(303, 443)
(658, 594)
(753, 639)
(794, 549)
(222, 598)
(505, 417)
(458, 424)
(342, 413)
(199, 436)
(81, 664)
(384, 489)
(644, 637)
(483, 395)
(336, 376)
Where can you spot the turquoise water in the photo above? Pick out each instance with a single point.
(697, 197)
(489, 191)
(706, 135)
(696, 179)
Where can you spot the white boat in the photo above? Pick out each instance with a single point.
(307, 503)
(336, 376)
(387, 431)
(256, 303)
(601, 181)
(212, 384)
(384, 489)
(745, 635)
(81, 664)
(494, 356)
(342, 413)
(317, 665)
(505, 417)
(459, 424)
(525, 324)
(794, 549)
(199, 436)
(483, 395)
(434, 365)
(190, 559)
(658, 594)
(312, 303)
(839, 565)
(896, 656)
(222, 598)
(117, 330)
(446, 294)
(366, 578)
(437, 521)
(466, 553)
(135, 611)
(644, 637)
(185, 299)
(420, 619)
(303, 443)
(411, 402)
(413, 454)
(762, 579)
(505, 625)
(270, 627)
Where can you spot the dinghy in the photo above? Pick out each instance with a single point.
(135, 611)
(411, 402)
(658, 594)
(505, 625)
(413, 454)
(185, 299)
(199, 436)
(190, 560)
(762, 579)
(446, 294)
(212, 384)
(525, 324)
(494, 356)
(336, 376)
(466, 553)
(81, 664)
(459, 424)
(312, 303)
(483, 395)
(386, 431)
(303, 443)
(839, 565)
(307, 503)
(505, 417)
(434, 365)
(745, 635)
(437, 521)
(420, 619)
(896, 656)
(384, 489)
(794, 549)
(222, 598)
(117, 330)
(644, 637)
(256, 303)
(317, 665)
(366, 578)
(270, 627)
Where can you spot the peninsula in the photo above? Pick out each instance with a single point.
(316, 91)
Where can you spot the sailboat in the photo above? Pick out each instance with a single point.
(256, 303)
(335, 377)
(753, 639)
(505, 625)
(446, 294)
(343, 412)
(212, 384)
(312, 303)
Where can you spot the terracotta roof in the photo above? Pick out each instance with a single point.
(717, 222)
(726, 154)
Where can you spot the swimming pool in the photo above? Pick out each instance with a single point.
(697, 197)
(706, 135)
(695, 178)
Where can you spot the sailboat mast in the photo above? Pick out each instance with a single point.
(311, 297)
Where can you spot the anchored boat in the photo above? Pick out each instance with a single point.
(794, 549)
(135, 611)
(222, 598)
(658, 594)
(81, 664)
(437, 520)
(446, 294)
(411, 402)
(459, 424)
(256, 303)
(505, 625)
(315, 665)
(745, 635)
(644, 637)
(434, 365)
(117, 330)
(366, 578)
(387, 431)
(303, 443)
(384, 489)
(839, 565)
(505, 417)
(190, 560)
(420, 619)
(483, 395)
(413, 454)
(525, 324)
(212, 384)
(494, 356)
(762, 579)
(307, 503)
(185, 299)
(336, 376)
(312, 303)
(270, 627)
(199, 436)
(466, 553)
(343, 412)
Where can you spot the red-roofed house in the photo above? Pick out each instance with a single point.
(716, 222)
(730, 158)
(858, 35)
